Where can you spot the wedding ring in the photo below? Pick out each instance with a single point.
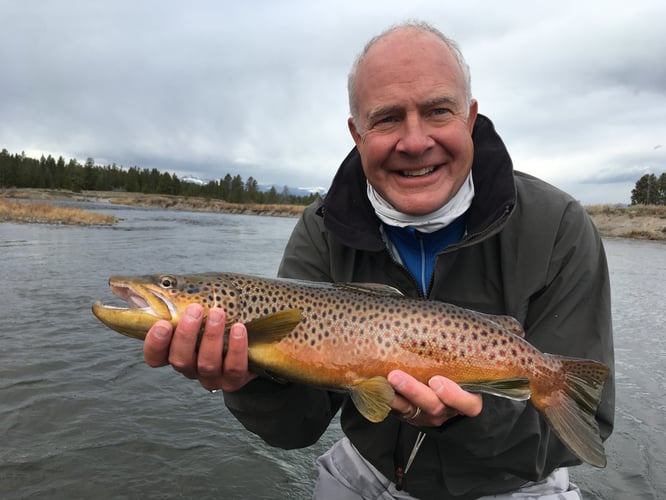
(416, 414)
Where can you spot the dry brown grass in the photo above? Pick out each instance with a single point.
(636, 221)
(642, 222)
(47, 213)
(630, 211)
(205, 205)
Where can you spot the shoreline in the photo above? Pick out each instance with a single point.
(160, 201)
(642, 222)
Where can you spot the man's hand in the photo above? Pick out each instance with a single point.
(433, 404)
(214, 371)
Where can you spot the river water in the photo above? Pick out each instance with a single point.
(81, 415)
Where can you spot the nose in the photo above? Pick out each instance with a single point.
(414, 137)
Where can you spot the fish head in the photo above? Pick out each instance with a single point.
(161, 297)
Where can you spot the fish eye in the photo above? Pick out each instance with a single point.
(167, 282)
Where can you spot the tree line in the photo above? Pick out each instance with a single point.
(649, 190)
(20, 171)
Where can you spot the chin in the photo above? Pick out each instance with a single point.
(424, 208)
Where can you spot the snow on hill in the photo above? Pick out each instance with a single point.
(293, 191)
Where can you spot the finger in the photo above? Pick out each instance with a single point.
(156, 345)
(235, 365)
(454, 396)
(182, 355)
(410, 394)
(209, 360)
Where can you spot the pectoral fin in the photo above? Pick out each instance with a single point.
(372, 397)
(273, 327)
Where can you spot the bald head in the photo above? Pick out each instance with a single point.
(408, 32)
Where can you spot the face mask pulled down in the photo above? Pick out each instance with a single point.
(427, 223)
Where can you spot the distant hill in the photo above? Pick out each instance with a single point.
(264, 188)
(293, 191)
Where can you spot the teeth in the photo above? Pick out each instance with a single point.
(417, 173)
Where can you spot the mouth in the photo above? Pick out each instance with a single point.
(422, 172)
(144, 309)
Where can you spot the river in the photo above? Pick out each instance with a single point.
(82, 416)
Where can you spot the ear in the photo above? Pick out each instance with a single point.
(471, 117)
(354, 132)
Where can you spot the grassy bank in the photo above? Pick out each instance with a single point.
(645, 222)
(47, 213)
(156, 201)
(638, 222)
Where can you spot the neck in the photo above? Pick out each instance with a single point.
(427, 223)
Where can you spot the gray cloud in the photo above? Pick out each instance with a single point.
(259, 88)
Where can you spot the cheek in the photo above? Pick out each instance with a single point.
(461, 144)
(375, 150)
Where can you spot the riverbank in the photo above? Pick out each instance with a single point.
(48, 213)
(647, 222)
(641, 222)
(155, 201)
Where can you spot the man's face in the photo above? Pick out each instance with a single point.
(414, 125)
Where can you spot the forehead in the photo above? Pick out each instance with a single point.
(407, 64)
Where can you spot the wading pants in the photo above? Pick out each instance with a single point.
(345, 475)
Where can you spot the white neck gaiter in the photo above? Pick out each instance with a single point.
(428, 223)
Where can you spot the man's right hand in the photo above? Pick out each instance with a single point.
(164, 346)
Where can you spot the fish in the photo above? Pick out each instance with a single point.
(349, 336)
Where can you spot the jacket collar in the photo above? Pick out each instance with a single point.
(350, 217)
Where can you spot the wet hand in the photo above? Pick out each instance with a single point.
(164, 346)
(433, 404)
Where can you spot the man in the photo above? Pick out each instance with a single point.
(427, 202)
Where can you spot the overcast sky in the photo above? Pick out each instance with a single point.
(577, 89)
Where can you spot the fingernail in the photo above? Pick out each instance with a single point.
(435, 384)
(396, 379)
(215, 316)
(160, 332)
(194, 311)
(237, 331)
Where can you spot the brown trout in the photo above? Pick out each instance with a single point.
(348, 337)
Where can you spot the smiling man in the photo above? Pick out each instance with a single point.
(427, 202)
(412, 121)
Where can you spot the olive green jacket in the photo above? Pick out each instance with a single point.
(530, 251)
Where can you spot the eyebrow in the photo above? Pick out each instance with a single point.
(382, 111)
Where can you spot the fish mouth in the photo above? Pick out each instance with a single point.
(145, 308)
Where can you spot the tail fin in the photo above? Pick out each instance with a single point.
(571, 405)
